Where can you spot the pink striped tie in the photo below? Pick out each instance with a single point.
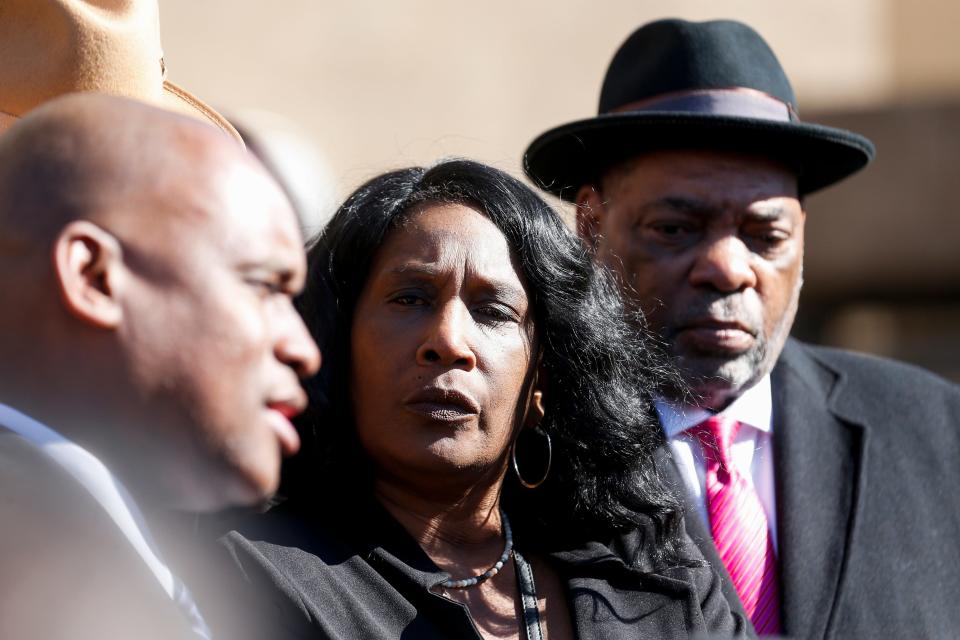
(739, 526)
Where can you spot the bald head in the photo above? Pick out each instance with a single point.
(152, 262)
(96, 157)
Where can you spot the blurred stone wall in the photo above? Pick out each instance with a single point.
(381, 84)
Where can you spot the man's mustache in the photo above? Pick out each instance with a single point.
(721, 308)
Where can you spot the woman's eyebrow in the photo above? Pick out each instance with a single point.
(408, 273)
(492, 285)
(502, 287)
(414, 268)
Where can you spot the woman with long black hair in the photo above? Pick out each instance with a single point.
(479, 452)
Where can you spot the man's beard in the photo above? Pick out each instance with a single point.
(714, 378)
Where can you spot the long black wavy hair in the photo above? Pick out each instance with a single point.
(601, 367)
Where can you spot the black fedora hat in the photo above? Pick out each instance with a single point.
(703, 85)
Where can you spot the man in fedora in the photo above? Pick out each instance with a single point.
(818, 482)
(149, 357)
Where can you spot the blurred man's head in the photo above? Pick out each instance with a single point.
(148, 268)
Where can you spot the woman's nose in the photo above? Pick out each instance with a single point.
(446, 341)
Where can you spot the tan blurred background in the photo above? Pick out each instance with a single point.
(363, 86)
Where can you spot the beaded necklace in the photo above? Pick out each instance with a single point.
(528, 590)
(492, 571)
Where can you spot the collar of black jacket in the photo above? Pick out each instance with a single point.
(376, 535)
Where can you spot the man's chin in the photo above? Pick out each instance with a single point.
(714, 380)
(250, 484)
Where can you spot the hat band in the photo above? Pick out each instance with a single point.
(739, 102)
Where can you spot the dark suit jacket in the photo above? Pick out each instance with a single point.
(341, 567)
(867, 467)
(66, 570)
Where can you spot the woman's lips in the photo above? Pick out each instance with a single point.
(442, 405)
(440, 412)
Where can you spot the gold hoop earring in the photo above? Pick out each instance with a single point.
(516, 467)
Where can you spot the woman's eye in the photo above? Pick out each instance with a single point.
(496, 313)
(408, 300)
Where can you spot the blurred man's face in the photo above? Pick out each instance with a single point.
(710, 245)
(215, 343)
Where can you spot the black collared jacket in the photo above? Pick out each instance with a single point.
(356, 573)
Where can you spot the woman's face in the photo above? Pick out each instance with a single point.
(441, 347)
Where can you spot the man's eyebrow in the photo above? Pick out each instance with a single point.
(284, 272)
(273, 266)
(763, 211)
(766, 211)
(681, 204)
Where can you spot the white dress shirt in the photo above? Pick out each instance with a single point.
(116, 501)
(752, 449)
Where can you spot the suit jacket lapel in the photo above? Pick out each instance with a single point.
(818, 454)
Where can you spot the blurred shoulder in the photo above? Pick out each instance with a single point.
(279, 570)
(68, 570)
(285, 538)
(41, 502)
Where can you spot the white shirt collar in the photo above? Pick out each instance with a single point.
(753, 407)
(106, 489)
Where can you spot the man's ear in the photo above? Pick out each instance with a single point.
(87, 262)
(589, 214)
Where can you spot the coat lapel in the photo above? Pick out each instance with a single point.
(818, 455)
